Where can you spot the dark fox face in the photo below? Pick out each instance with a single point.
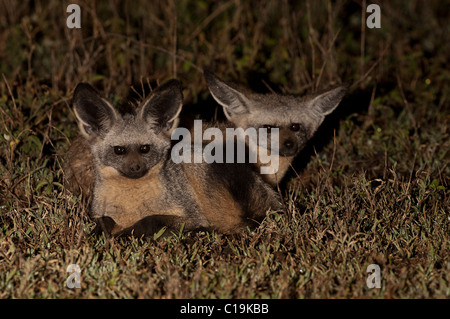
(297, 119)
(128, 145)
(132, 161)
(291, 137)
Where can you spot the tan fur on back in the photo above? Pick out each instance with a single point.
(217, 205)
(79, 168)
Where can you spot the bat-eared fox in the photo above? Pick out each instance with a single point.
(296, 118)
(138, 189)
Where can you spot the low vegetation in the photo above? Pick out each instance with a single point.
(370, 188)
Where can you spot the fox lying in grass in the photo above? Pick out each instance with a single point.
(296, 118)
(138, 188)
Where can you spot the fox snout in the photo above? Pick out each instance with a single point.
(289, 147)
(135, 170)
(133, 165)
(290, 142)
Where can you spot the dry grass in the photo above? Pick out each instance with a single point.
(372, 187)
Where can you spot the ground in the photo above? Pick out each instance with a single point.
(370, 188)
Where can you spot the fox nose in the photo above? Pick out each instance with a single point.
(289, 148)
(135, 168)
(288, 144)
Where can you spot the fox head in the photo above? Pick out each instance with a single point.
(131, 143)
(297, 119)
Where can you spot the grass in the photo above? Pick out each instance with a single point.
(370, 188)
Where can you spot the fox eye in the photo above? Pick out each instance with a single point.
(268, 127)
(119, 150)
(295, 127)
(144, 149)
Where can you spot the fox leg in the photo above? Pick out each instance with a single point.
(105, 225)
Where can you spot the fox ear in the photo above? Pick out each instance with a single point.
(233, 102)
(163, 107)
(95, 115)
(327, 102)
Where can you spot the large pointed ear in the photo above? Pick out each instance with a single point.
(325, 103)
(234, 103)
(163, 107)
(95, 115)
